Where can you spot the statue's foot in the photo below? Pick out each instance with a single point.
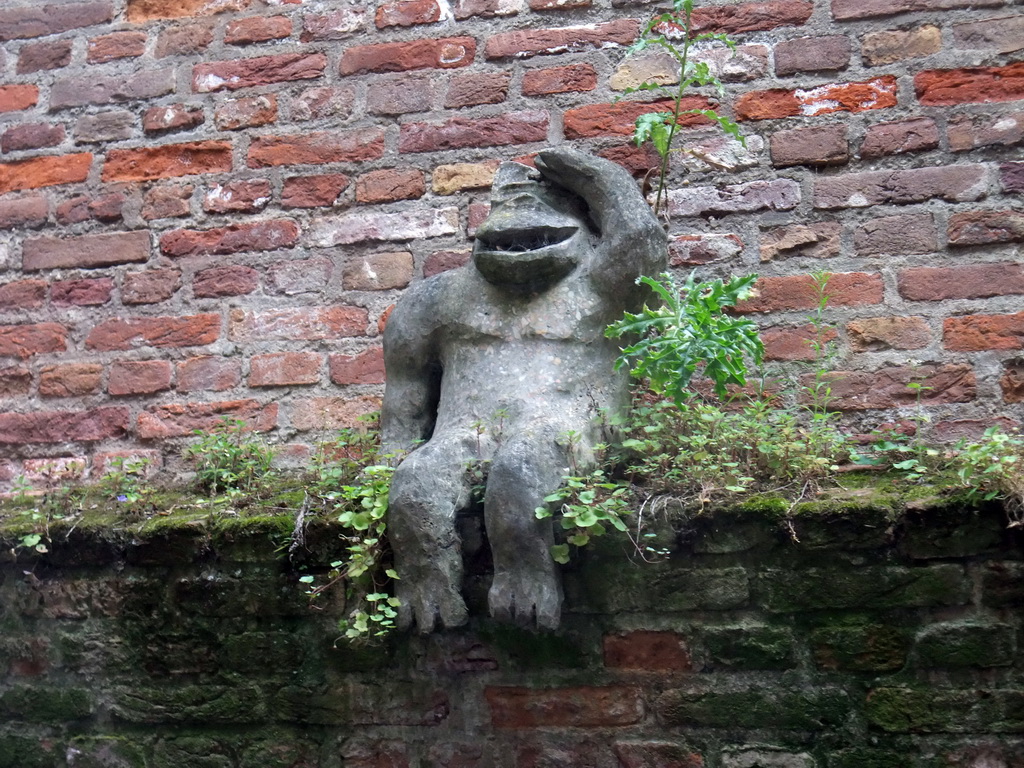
(428, 601)
(527, 597)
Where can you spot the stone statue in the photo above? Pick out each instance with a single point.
(514, 341)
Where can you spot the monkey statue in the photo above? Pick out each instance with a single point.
(518, 331)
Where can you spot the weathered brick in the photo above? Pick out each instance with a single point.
(209, 373)
(966, 644)
(184, 39)
(656, 754)
(248, 112)
(26, 211)
(844, 289)
(302, 323)
(378, 271)
(117, 45)
(892, 45)
(184, 419)
(465, 9)
(449, 179)
(103, 127)
(969, 131)
(23, 294)
(32, 339)
(257, 29)
(123, 333)
(314, 103)
(316, 148)
(321, 413)
(953, 183)
(1003, 34)
(234, 238)
(407, 13)
(227, 280)
(985, 227)
(70, 380)
(284, 369)
(361, 227)
(1012, 381)
(819, 145)
(64, 426)
(646, 651)
(974, 281)
(167, 201)
(910, 233)
(52, 19)
(15, 381)
(243, 195)
(139, 377)
(401, 94)
(913, 135)
(777, 195)
(844, 10)
(696, 250)
(390, 184)
(82, 292)
(888, 387)
(31, 136)
(876, 334)
(46, 171)
(148, 163)
(978, 333)
(571, 78)
(85, 251)
(38, 57)
(579, 707)
(1011, 177)
(478, 88)
(171, 118)
(944, 87)
(619, 118)
(699, 706)
(312, 191)
(794, 343)
(812, 54)
(109, 89)
(150, 286)
(441, 53)
(557, 5)
(366, 367)
(650, 66)
(879, 93)
(534, 42)
(752, 17)
(298, 276)
(149, 10)
(442, 261)
(83, 208)
(211, 76)
(860, 647)
(333, 26)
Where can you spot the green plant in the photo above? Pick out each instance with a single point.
(660, 128)
(229, 459)
(993, 468)
(123, 481)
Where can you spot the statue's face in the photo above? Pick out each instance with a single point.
(535, 234)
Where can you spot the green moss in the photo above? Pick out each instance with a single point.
(749, 647)
(39, 704)
(755, 708)
(107, 752)
(533, 650)
(860, 647)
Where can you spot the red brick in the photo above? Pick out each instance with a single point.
(314, 103)
(568, 79)
(378, 271)
(944, 87)
(844, 289)
(373, 226)
(108, 89)
(986, 227)
(150, 287)
(312, 191)
(978, 333)
(401, 94)
(1003, 34)
(123, 333)
(477, 213)
(812, 54)
(23, 211)
(647, 651)
(149, 163)
(82, 293)
(579, 707)
(46, 171)
(466, 132)
(316, 148)
(407, 13)
(441, 53)
(887, 387)
(913, 135)
(118, 45)
(1011, 177)
(697, 250)
(637, 160)
(465, 9)
(619, 118)
(83, 208)
(969, 131)
(284, 369)
(818, 145)
(953, 183)
(794, 343)
(257, 29)
(139, 377)
(479, 88)
(184, 39)
(52, 19)
(235, 238)
(333, 26)
(31, 136)
(250, 112)
(844, 10)
(298, 324)
(911, 233)
(367, 367)
(114, 125)
(974, 281)
(320, 413)
(15, 381)
(182, 420)
(656, 754)
(37, 57)
(23, 294)
(229, 280)
(148, 10)
(171, 118)
(26, 340)
(297, 276)
(208, 373)
(85, 251)
(535, 42)
(775, 195)
(752, 17)
(390, 184)
(879, 93)
(261, 70)
(245, 196)
(1012, 382)
(892, 45)
(166, 202)
(876, 334)
(63, 426)
(442, 261)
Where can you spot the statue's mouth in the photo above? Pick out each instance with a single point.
(524, 240)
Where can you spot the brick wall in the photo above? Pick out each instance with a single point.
(877, 640)
(207, 207)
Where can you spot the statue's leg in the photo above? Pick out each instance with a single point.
(427, 489)
(527, 586)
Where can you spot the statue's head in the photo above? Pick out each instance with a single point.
(535, 234)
